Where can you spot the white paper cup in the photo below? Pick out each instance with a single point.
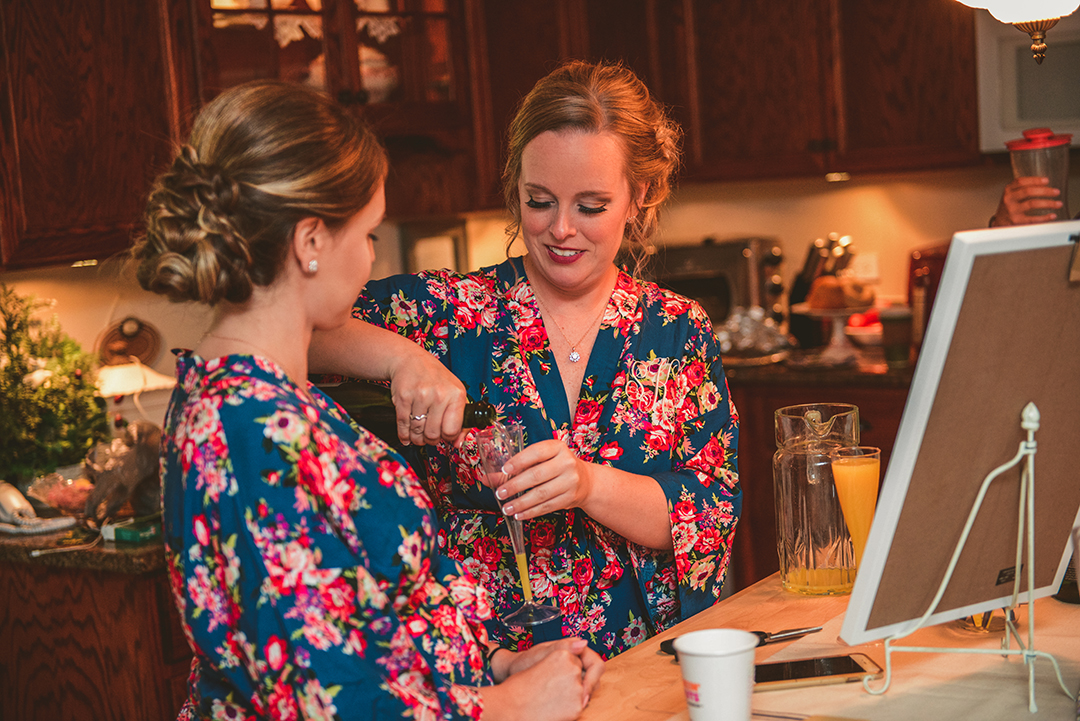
(718, 673)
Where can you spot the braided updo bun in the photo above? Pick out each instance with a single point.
(597, 98)
(262, 156)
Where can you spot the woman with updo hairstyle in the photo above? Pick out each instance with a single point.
(301, 550)
(629, 481)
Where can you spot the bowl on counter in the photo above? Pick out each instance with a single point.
(864, 336)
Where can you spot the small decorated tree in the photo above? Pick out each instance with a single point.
(50, 415)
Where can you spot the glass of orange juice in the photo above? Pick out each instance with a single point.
(856, 471)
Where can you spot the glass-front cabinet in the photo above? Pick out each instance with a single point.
(366, 52)
(401, 63)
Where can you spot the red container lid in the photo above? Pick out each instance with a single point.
(1038, 138)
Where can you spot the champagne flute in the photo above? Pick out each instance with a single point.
(498, 444)
(856, 470)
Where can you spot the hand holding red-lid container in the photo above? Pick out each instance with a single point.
(1041, 153)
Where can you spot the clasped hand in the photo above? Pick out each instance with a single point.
(552, 680)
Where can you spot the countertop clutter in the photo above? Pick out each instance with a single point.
(106, 556)
(645, 684)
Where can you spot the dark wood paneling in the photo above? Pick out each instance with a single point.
(80, 644)
(760, 73)
(524, 41)
(88, 117)
(906, 79)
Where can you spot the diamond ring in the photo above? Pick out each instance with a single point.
(420, 417)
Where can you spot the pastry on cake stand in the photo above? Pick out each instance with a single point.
(840, 351)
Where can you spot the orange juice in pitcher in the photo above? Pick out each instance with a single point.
(816, 554)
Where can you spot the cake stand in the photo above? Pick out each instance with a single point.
(839, 351)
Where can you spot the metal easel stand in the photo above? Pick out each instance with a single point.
(1029, 421)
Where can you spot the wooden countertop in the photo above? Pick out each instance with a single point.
(643, 684)
(869, 371)
(105, 556)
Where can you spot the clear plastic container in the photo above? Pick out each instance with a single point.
(1041, 153)
(816, 554)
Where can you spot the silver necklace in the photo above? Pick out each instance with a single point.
(574, 355)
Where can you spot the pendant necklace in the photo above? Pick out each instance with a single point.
(574, 355)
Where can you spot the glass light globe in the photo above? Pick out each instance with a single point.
(1022, 11)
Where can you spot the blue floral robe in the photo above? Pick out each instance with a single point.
(301, 554)
(654, 401)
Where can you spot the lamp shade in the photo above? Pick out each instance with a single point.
(1023, 11)
(130, 378)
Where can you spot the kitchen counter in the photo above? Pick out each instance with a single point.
(105, 556)
(869, 371)
(645, 685)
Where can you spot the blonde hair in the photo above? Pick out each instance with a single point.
(261, 157)
(602, 97)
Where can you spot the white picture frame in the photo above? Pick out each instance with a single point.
(991, 346)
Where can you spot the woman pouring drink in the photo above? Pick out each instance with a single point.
(628, 479)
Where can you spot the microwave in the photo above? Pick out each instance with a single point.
(1015, 92)
(723, 275)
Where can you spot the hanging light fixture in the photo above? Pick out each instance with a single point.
(1034, 17)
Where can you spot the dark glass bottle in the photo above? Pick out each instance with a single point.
(478, 415)
(371, 405)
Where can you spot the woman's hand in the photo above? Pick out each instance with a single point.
(552, 680)
(551, 477)
(591, 663)
(1022, 196)
(429, 399)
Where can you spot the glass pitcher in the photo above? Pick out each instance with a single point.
(816, 554)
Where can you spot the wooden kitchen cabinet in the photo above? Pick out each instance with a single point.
(904, 80)
(757, 395)
(89, 635)
(761, 89)
(521, 41)
(92, 92)
(815, 86)
(404, 65)
(95, 92)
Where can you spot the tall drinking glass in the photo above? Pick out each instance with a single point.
(856, 470)
(498, 444)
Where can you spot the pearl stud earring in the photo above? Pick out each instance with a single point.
(313, 266)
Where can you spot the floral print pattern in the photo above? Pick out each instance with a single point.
(654, 401)
(302, 556)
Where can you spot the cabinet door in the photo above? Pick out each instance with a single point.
(810, 86)
(402, 64)
(904, 79)
(89, 645)
(756, 104)
(743, 78)
(89, 112)
(514, 43)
